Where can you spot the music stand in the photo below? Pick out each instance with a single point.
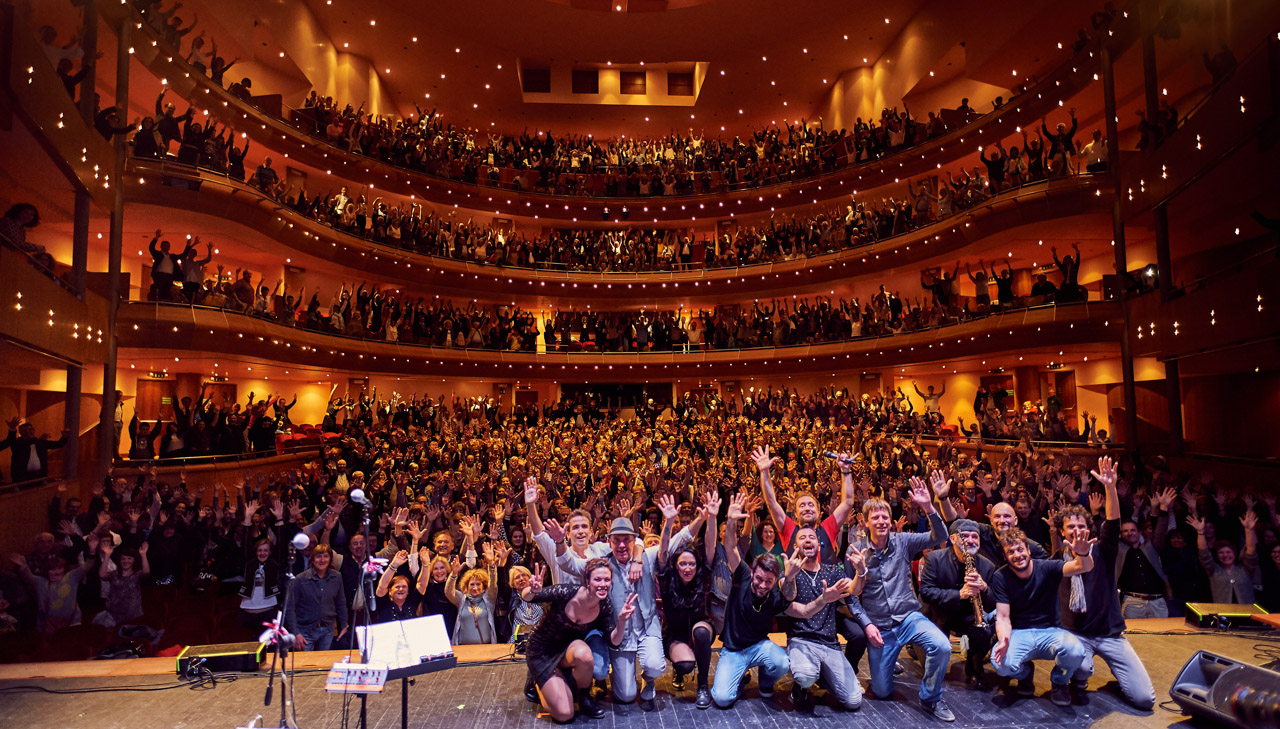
(408, 648)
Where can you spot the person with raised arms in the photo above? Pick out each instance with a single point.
(890, 599)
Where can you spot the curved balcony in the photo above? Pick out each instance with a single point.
(212, 194)
(147, 328)
(273, 133)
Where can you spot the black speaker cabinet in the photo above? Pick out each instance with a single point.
(243, 657)
(1229, 692)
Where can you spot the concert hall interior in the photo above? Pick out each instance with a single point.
(694, 362)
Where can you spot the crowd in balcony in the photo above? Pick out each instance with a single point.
(392, 315)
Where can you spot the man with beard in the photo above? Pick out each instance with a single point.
(813, 647)
(1027, 623)
(827, 532)
(754, 601)
(1090, 606)
(637, 575)
(891, 602)
(948, 589)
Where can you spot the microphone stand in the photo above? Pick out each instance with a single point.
(279, 642)
(366, 599)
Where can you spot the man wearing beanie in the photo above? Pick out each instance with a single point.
(947, 589)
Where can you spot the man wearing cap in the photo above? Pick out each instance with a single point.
(637, 575)
(947, 589)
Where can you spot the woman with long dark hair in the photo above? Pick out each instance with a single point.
(685, 583)
(558, 656)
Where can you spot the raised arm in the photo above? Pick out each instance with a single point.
(764, 463)
(732, 517)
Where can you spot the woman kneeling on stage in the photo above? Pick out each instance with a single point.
(558, 656)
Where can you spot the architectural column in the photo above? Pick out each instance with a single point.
(1150, 18)
(1121, 257)
(106, 419)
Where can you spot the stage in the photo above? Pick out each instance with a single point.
(485, 692)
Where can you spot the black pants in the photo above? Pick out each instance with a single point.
(980, 640)
(855, 638)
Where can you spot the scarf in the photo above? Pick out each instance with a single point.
(1077, 602)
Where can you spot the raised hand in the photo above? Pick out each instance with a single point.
(1106, 472)
(500, 552)
(920, 493)
(667, 505)
(1082, 544)
(535, 580)
(764, 462)
(554, 530)
(793, 563)
(712, 504)
(415, 530)
(1096, 502)
(940, 483)
(400, 558)
(1196, 523)
(984, 482)
(499, 511)
(143, 548)
(1162, 500)
(1249, 521)
(487, 550)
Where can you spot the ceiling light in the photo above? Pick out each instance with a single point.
(373, 22)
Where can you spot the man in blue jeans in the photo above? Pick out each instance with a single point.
(755, 599)
(1027, 623)
(316, 603)
(890, 601)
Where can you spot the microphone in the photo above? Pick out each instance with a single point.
(842, 460)
(356, 496)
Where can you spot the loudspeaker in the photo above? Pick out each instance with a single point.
(1227, 691)
(244, 657)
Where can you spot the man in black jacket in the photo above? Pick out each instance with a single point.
(948, 591)
(30, 454)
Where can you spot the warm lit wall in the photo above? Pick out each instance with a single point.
(292, 28)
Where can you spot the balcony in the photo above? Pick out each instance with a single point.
(157, 331)
(201, 191)
(278, 135)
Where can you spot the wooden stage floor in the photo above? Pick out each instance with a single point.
(484, 692)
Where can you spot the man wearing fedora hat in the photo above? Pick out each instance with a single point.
(636, 574)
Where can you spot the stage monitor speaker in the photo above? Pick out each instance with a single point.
(245, 657)
(1224, 616)
(1229, 692)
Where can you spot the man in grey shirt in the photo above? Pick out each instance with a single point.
(890, 601)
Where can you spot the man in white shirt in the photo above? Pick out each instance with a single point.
(1095, 153)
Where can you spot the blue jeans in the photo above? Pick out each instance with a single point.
(1124, 663)
(1029, 644)
(732, 665)
(916, 630)
(319, 637)
(599, 655)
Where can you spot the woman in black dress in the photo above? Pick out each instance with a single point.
(558, 657)
(685, 583)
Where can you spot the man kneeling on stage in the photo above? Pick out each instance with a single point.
(954, 587)
(1027, 625)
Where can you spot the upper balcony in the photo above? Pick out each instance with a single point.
(274, 133)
